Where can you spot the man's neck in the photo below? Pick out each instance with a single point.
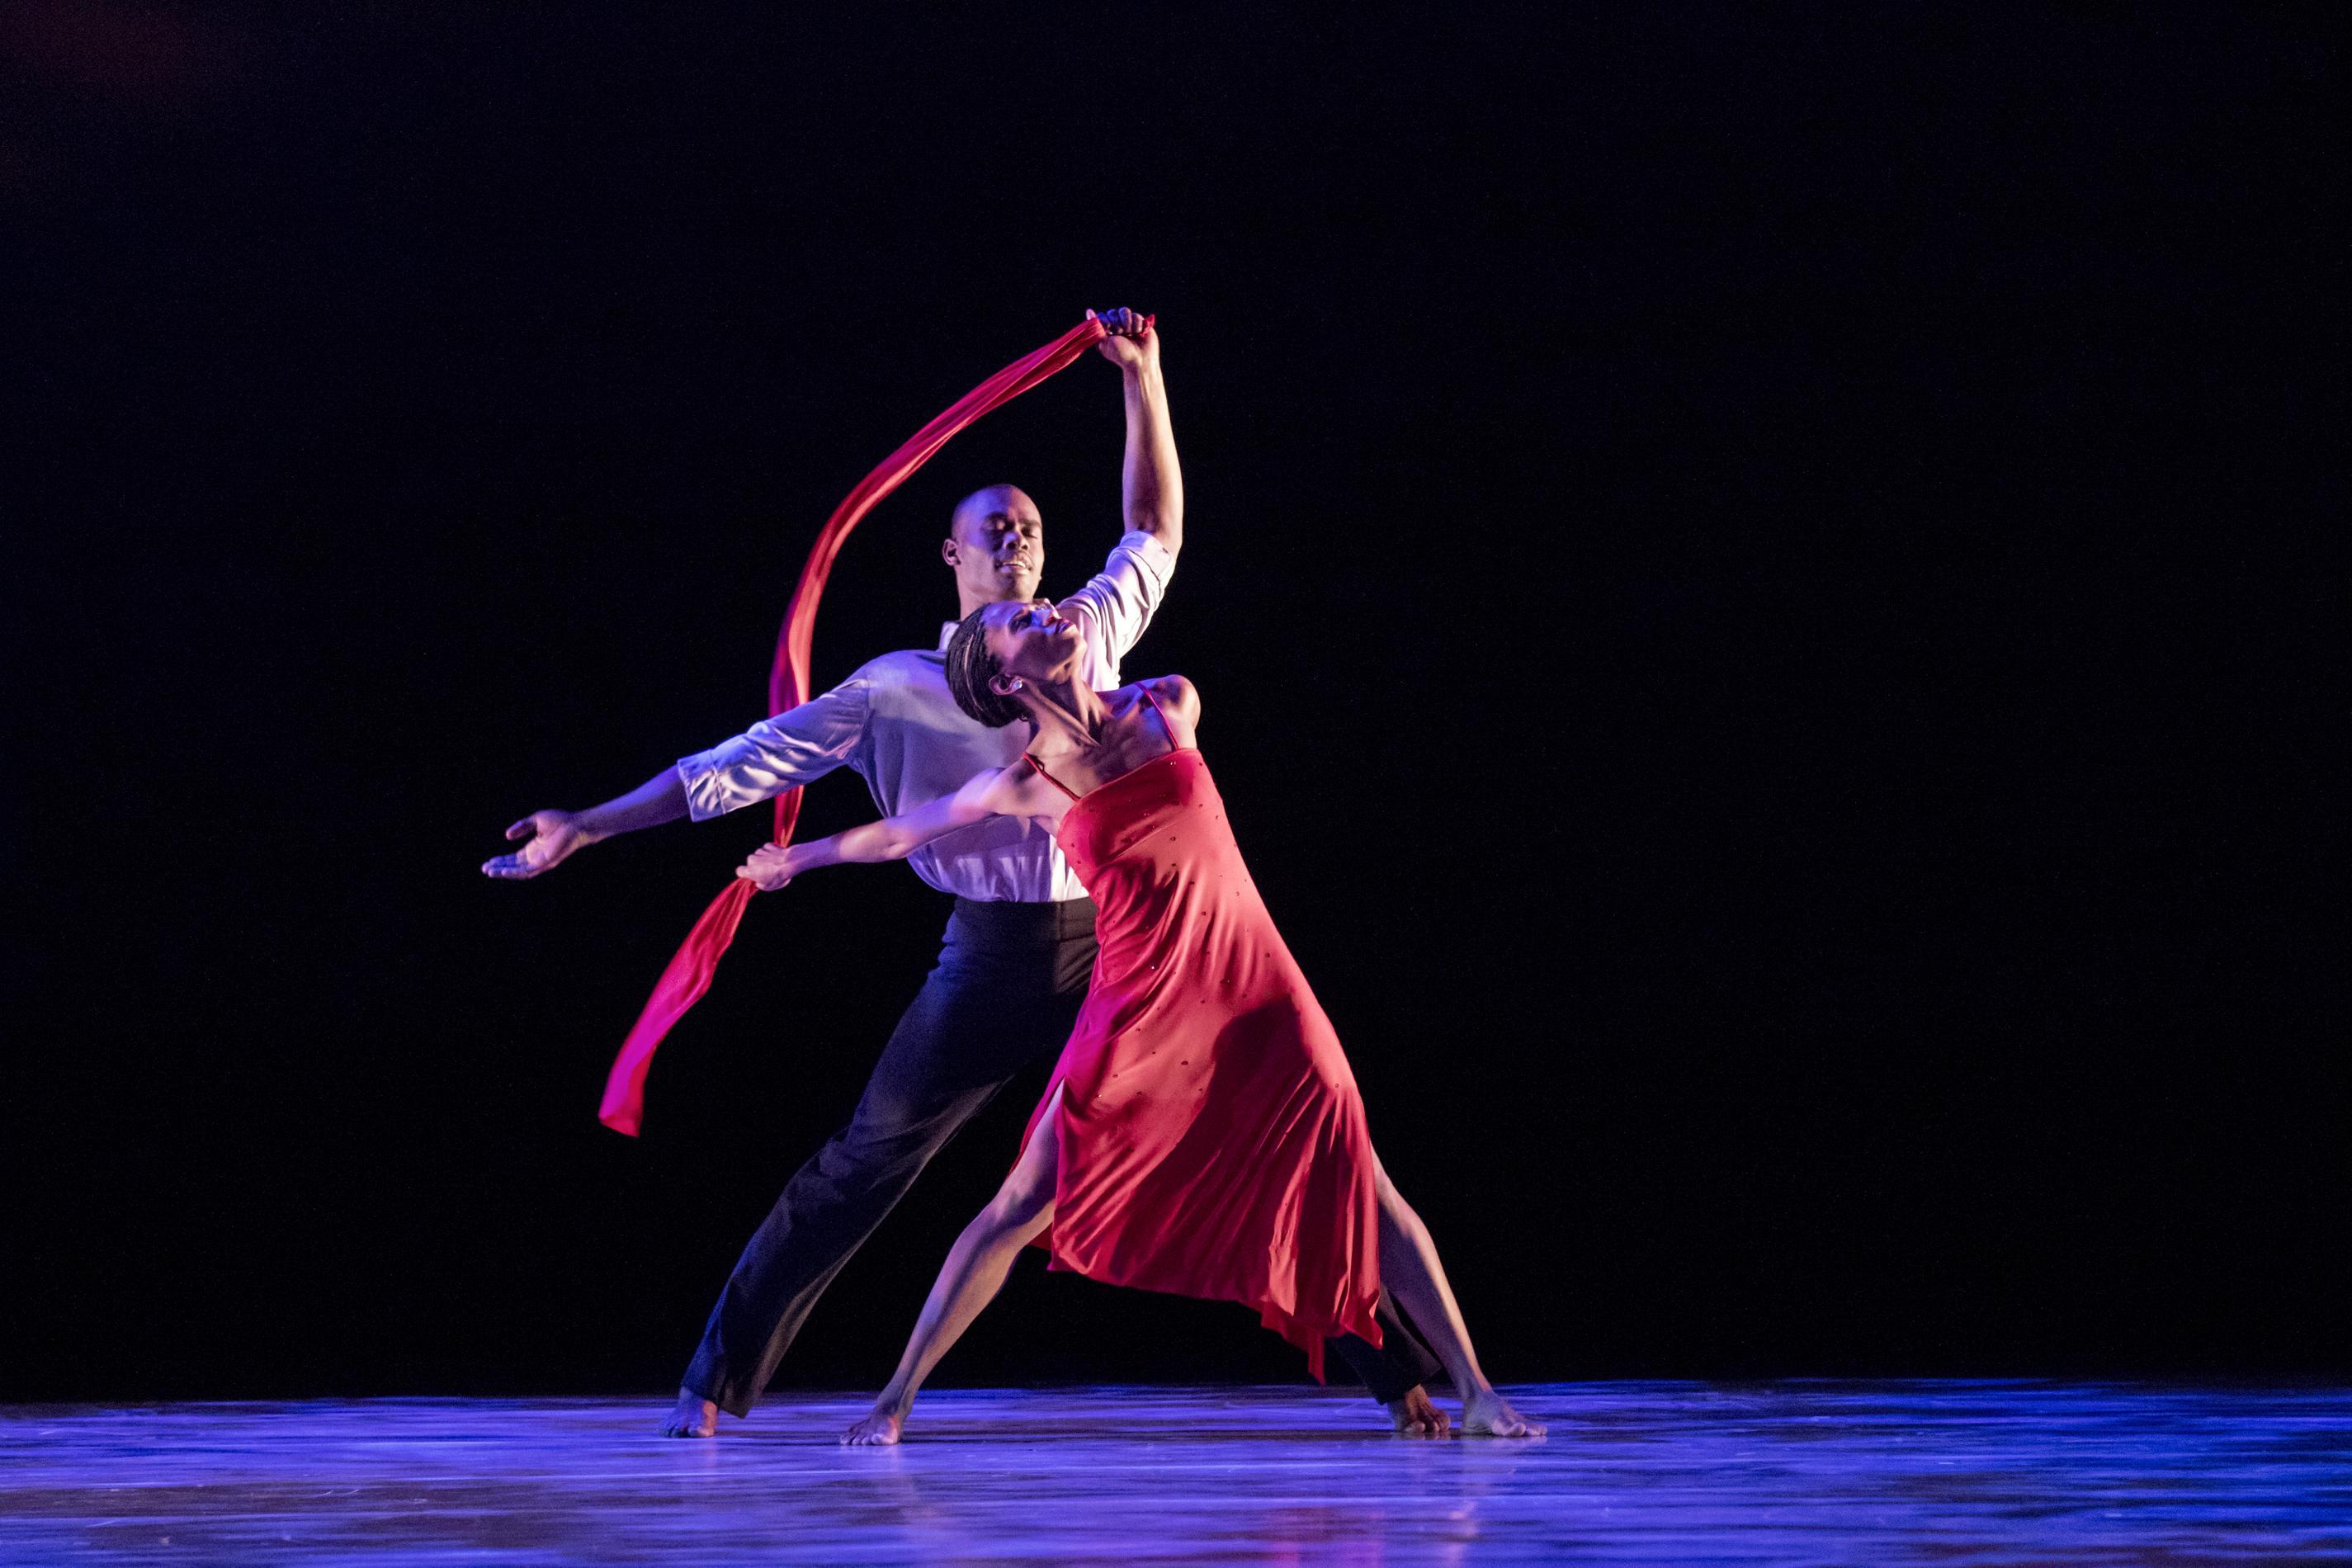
(967, 601)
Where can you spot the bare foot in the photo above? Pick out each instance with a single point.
(1415, 1417)
(695, 1417)
(1488, 1414)
(878, 1430)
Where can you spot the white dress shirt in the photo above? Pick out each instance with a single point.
(898, 726)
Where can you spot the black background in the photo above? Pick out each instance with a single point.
(1730, 562)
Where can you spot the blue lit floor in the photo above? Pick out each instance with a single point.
(1660, 1473)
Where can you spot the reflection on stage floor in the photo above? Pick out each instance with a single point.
(1659, 1473)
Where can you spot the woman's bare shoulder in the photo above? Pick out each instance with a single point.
(1176, 694)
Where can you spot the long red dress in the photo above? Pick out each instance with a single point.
(1212, 1142)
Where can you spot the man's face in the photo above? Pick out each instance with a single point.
(996, 545)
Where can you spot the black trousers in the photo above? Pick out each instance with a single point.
(1005, 991)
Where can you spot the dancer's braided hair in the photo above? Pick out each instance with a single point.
(971, 667)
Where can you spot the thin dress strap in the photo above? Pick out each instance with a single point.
(1048, 777)
(1164, 724)
(1066, 789)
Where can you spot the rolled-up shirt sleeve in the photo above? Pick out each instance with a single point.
(777, 754)
(1119, 600)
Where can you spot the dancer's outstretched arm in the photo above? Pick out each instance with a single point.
(551, 836)
(1016, 791)
(794, 748)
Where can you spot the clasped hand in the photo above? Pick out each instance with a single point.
(768, 869)
(1132, 345)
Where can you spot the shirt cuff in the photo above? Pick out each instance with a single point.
(704, 776)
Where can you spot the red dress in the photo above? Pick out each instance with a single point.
(1211, 1141)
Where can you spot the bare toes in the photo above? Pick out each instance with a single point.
(871, 1433)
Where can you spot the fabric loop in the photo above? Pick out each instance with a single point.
(690, 971)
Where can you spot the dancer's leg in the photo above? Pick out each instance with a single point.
(973, 1273)
(945, 1061)
(1395, 1374)
(1411, 1270)
(1004, 993)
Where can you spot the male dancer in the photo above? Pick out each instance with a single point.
(1018, 948)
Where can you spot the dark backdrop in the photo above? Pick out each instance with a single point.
(1721, 558)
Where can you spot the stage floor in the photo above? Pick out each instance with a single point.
(1658, 1473)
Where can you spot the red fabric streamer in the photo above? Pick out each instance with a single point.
(689, 975)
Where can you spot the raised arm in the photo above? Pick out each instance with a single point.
(1152, 485)
(999, 792)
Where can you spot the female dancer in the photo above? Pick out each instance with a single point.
(1201, 1133)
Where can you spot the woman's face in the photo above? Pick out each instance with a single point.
(1030, 639)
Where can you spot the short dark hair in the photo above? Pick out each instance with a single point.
(970, 669)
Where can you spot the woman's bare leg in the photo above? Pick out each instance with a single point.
(1410, 1268)
(973, 1273)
